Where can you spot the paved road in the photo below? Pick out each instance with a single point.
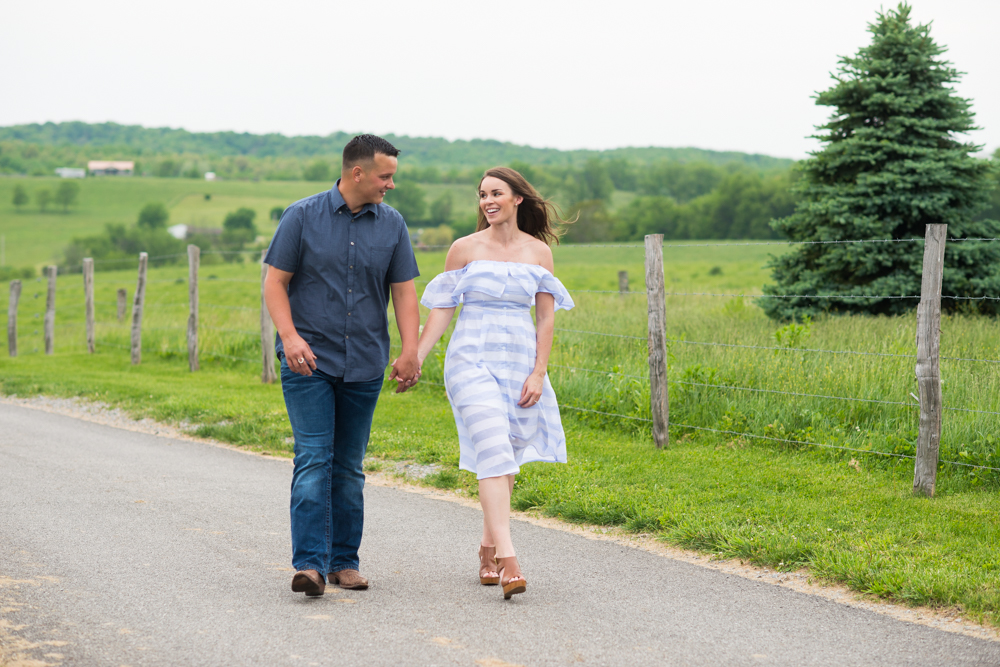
(124, 548)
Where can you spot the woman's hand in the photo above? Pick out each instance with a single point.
(299, 355)
(531, 392)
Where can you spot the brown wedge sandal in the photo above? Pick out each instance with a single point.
(511, 588)
(488, 573)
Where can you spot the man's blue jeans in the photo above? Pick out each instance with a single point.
(331, 420)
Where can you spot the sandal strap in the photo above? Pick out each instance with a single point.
(514, 566)
(487, 560)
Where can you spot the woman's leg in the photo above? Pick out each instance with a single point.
(494, 496)
(487, 540)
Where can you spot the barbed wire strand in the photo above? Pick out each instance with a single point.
(817, 444)
(769, 391)
(778, 349)
(767, 437)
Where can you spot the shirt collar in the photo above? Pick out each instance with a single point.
(337, 202)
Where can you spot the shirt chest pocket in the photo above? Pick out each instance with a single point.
(379, 258)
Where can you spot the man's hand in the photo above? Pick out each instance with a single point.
(299, 355)
(405, 371)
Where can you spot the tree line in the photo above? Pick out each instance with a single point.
(149, 234)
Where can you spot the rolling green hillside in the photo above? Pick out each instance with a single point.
(132, 141)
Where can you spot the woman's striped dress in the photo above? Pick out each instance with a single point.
(491, 354)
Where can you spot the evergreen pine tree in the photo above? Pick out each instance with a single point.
(891, 164)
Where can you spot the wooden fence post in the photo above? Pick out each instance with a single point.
(15, 296)
(88, 298)
(194, 259)
(656, 299)
(137, 303)
(928, 368)
(623, 282)
(122, 300)
(50, 311)
(268, 375)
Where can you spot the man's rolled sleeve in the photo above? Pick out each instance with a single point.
(403, 266)
(283, 253)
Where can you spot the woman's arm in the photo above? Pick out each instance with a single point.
(439, 319)
(531, 392)
(437, 323)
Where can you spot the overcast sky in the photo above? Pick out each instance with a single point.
(724, 74)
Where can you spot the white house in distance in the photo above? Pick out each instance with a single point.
(178, 231)
(111, 167)
(71, 172)
(209, 175)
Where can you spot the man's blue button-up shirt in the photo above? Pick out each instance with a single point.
(343, 264)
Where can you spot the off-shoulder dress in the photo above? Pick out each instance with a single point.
(491, 354)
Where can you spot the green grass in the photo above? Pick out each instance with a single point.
(847, 516)
(35, 238)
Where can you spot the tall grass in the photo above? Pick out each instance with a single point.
(607, 374)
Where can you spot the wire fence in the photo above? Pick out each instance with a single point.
(229, 331)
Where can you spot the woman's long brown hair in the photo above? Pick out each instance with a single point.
(536, 216)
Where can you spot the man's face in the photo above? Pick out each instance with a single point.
(375, 178)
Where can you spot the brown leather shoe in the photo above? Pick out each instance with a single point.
(309, 582)
(351, 579)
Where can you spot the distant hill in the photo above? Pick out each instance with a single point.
(138, 141)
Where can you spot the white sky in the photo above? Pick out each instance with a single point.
(724, 74)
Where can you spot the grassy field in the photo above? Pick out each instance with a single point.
(847, 516)
(35, 238)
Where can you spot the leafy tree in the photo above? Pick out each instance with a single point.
(153, 216)
(318, 170)
(623, 174)
(441, 208)
(593, 223)
(992, 212)
(440, 236)
(238, 228)
(276, 213)
(590, 183)
(66, 194)
(43, 197)
(408, 199)
(679, 180)
(891, 165)
(167, 169)
(120, 242)
(651, 215)
(241, 218)
(20, 196)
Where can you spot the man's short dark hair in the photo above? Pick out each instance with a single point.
(363, 148)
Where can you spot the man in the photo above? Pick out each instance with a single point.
(332, 265)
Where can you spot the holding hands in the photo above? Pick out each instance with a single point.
(405, 371)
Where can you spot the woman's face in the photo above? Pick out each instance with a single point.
(497, 201)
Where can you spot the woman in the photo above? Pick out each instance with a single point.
(495, 368)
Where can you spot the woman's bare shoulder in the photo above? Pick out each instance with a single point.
(541, 253)
(461, 252)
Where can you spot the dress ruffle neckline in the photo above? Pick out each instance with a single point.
(492, 278)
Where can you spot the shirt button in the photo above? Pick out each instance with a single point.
(348, 314)
(351, 266)
(350, 290)
(346, 336)
(352, 242)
